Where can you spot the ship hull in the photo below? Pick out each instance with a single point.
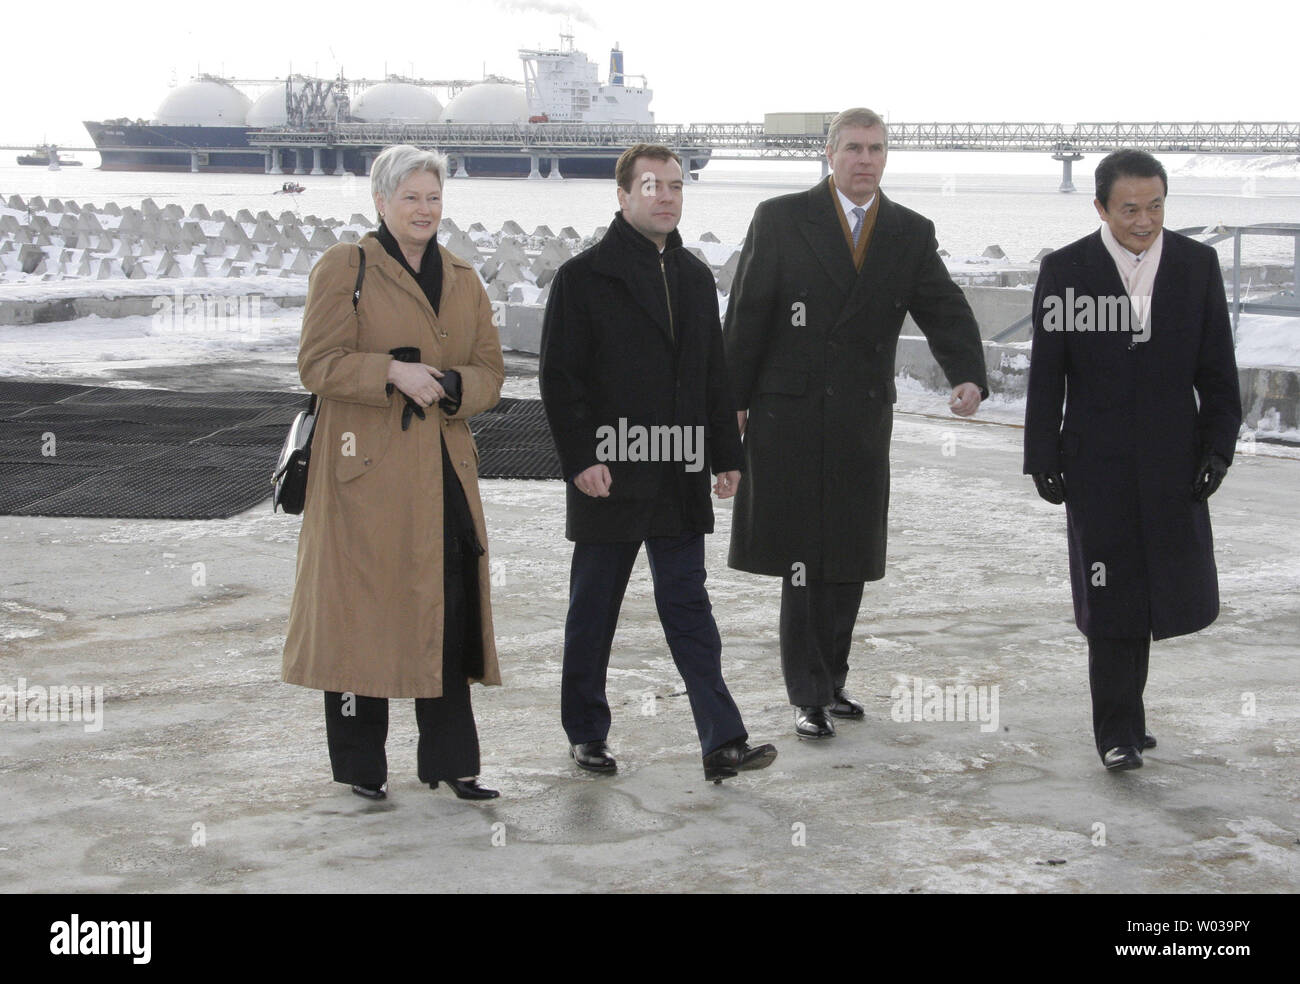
(586, 166)
(226, 150)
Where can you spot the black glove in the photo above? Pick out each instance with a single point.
(451, 386)
(407, 353)
(1051, 486)
(1209, 475)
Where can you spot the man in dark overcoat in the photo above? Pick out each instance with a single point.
(636, 395)
(1131, 334)
(825, 280)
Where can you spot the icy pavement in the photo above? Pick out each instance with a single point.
(211, 775)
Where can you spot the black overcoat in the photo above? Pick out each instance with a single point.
(611, 351)
(1130, 441)
(810, 346)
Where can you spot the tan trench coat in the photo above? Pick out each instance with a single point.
(367, 612)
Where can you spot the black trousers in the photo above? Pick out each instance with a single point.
(597, 581)
(448, 747)
(357, 728)
(1117, 675)
(817, 620)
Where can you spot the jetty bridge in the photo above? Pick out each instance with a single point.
(754, 141)
(699, 142)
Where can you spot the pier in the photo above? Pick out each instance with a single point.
(752, 141)
(318, 148)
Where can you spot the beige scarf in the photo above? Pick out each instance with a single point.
(1138, 274)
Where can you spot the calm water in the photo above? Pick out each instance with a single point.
(1021, 212)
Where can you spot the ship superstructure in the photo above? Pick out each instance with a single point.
(562, 86)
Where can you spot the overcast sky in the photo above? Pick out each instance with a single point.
(913, 60)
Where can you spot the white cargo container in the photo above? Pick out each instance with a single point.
(797, 124)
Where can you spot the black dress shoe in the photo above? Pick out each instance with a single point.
(1148, 741)
(468, 789)
(593, 756)
(1122, 757)
(735, 757)
(844, 706)
(371, 792)
(813, 723)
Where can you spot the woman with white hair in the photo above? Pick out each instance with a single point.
(392, 595)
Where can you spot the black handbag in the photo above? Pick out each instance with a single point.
(289, 481)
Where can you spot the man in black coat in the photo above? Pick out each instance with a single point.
(636, 395)
(825, 280)
(1131, 331)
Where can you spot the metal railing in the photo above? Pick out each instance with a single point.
(1236, 234)
(1237, 306)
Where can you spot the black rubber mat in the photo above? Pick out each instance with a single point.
(514, 441)
(100, 451)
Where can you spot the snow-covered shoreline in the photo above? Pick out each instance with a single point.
(1239, 165)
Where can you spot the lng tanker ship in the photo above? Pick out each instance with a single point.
(493, 127)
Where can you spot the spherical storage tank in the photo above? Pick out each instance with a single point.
(488, 102)
(268, 109)
(396, 102)
(204, 103)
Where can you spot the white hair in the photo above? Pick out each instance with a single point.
(395, 164)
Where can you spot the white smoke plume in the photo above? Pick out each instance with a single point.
(570, 10)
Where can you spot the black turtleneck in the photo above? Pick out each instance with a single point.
(461, 548)
(647, 255)
(641, 242)
(430, 276)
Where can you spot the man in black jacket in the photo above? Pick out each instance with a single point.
(637, 398)
(1132, 338)
(825, 280)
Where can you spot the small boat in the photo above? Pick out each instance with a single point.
(290, 188)
(47, 155)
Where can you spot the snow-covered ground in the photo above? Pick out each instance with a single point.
(1239, 165)
(1264, 340)
(107, 349)
(199, 729)
(33, 290)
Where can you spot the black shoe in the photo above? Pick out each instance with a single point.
(812, 722)
(468, 789)
(593, 756)
(1148, 741)
(371, 792)
(737, 756)
(844, 706)
(1122, 757)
